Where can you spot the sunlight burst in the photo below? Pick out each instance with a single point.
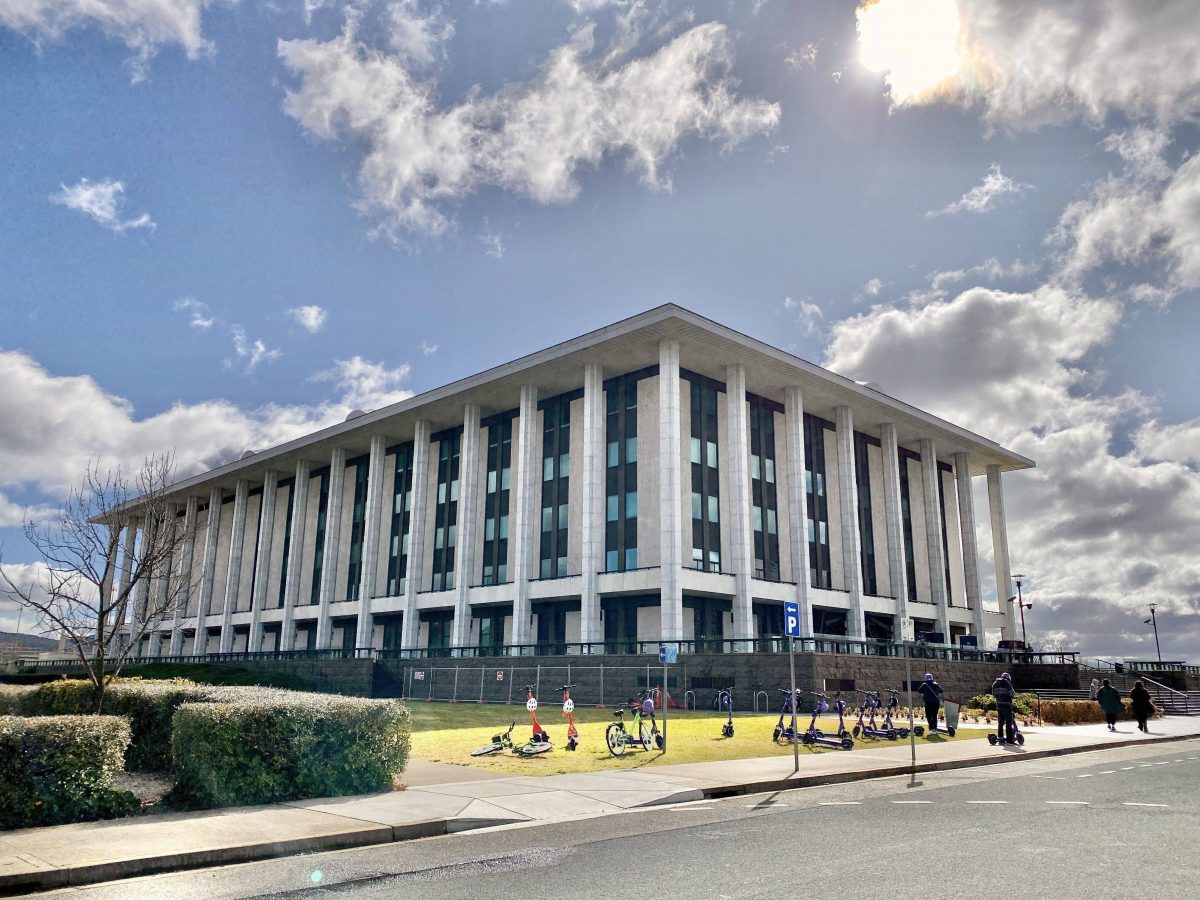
(914, 41)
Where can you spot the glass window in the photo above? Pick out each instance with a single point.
(491, 482)
(714, 560)
(613, 447)
(562, 517)
(562, 565)
(612, 508)
(441, 493)
(505, 478)
(714, 506)
(771, 526)
(548, 469)
(610, 561)
(712, 455)
(546, 563)
(631, 449)
(697, 506)
(754, 469)
(757, 517)
(503, 527)
(695, 449)
(547, 518)
(769, 470)
(631, 505)
(564, 465)
(489, 530)
(631, 559)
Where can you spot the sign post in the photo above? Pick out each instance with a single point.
(912, 733)
(791, 626)
(667, 656)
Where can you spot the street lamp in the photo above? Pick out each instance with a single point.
(1154, 621)
(1021, 605)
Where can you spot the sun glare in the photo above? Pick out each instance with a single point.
(914, 41)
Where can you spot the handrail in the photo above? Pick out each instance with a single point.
(1162, 687)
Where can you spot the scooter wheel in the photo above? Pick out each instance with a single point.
(727, 730)
(919, 730)
(847, 743)
(992, 739)
(891, 734)
(1020, 739)
(854, 731)
(775, 736)
(806, 739)
(950, 731)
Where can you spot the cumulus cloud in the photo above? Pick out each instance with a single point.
(1026, 63)
(82, 422)
(249, 352)
(101, 201)
(200, 319)
(141, 25)
(531, 139)
(808, 314)
(873, 287)
(985, 195)
(417, 35)
(310, 318)
(991, 269)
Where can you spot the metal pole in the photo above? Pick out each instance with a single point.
(1154, 622)
(792, 670)
(537, 687)
(482, 670)
(912, 734)
(665, 705)
(601, 684)
(510, 681)
(455, 697)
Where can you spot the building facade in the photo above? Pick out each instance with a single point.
(663, 479)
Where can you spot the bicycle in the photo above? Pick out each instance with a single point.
(619, 739)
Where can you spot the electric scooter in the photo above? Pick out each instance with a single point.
(725, 701)
(540, 741)
(893, 705)
(783, 732)
(569, 713)
(499, 742)
(813, 735)
(1018, 739)
(868, 728)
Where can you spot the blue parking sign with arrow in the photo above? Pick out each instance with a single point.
(791, 619)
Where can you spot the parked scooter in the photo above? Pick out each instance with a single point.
(540, 741)
(499, 742)
(1018, 739)
(783, 731)
(893, 706)
(813, 735)
(725, 701)
(866, 725)
(569, 713)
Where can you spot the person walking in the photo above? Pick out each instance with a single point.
(1093, 688)
(1005, 693)
(1109, 699)
(1143, 706)
(931, 694)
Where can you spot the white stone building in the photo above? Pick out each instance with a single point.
(661, 479)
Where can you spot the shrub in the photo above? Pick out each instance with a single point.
(286, 747)
(1023, 704)
(11, 696)
(58, 769)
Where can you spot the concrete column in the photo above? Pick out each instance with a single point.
(262, 568)
(966, 524)
(894, 515)
(464, 551)
(741, 529)
(851, 538)
(1004, 588)
(183, 589)
(798, 503)
(123, 574)
(593, 498)
(208, 571)
(524, 514)
(933, 534)
(670, 496)
(293, 575)
(370, 550)
(140, 620)
(416, 534)
(328, 591)
(237, 540)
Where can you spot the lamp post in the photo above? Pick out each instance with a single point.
(1154, 621)
(1021, 605)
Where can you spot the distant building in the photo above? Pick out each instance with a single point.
(661, 479)
(14, 646)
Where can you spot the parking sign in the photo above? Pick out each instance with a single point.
(791, 619)
(668, 656)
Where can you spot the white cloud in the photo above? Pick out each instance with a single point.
(873, 287)
(102, 201)
(14, 514)
(991, 269)
(982, 198)
(82, 422)
(418, 36)
(493, 241)
(141, 25)
(805, 56)
(1179, 442)
(367, 385)
(200, 318)
(428, 349)
(1027, 63)
(530, 139)
(310, 318)
(250, 352)
(808, 314)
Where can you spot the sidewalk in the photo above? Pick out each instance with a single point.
(444, 799)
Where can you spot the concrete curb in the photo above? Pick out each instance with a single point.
(785, 784)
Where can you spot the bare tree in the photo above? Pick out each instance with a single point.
(104, 587)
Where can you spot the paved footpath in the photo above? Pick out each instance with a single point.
(441, 799)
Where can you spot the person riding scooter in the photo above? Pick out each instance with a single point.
(1005, 693)
(931, 694)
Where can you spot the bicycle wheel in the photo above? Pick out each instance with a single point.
(645, 736)
(614, 737)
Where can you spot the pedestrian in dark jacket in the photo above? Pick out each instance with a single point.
(1109, 699)
(931, 694)
(1143, 706)
(1005, 693)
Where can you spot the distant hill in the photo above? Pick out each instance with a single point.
(33, 642)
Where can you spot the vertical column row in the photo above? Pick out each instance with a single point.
(241, 495)
(966, 525)
(1000, 551)
(262, 567)
(893, 513)
(464, 553)
(592, 502)
(370, 547)
(798, 503)
(416, 553)
(933, 534)
(523, 520)
(737, 463)
(851, 539)
(670, 496)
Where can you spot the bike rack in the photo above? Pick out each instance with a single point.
(766, 701)
(686, 694)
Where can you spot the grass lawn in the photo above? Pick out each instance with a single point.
(448, 732)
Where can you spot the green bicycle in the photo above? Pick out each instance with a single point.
(639, 734)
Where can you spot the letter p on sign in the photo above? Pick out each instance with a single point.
(791, 619)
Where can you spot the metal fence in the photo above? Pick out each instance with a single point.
(592, 685)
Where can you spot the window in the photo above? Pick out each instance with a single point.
(762, 486)
(866, 530)
(706, 484)
(496, 501)
(620, 479)
(319, 548)
(439, 623)
(401, 514)
(556, 482)
(358, 518)
(446, 513)
(910, 558)
(289, 485)
(818, 501)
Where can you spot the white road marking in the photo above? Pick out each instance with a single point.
(1067, 802)
(688, 808)
(1166, 762)
(1145, 765)
(1156, 805)
(841, 803)
(1088, 775)
(996, 802)
(1109, 772)
(1193, 757)
(1051, 777)
(911, 802)
(769, 805)
(1127, 768)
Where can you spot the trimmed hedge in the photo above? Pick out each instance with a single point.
(58, 769)
(1023, 704)
(11, 696)
(288, 747)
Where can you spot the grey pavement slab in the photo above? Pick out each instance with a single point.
(395, 808)
(552, 804)
(485, 788)
(421, 772)
(635, 798)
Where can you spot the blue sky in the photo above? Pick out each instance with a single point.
(1000, 225)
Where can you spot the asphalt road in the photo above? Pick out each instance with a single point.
(1113, 823)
